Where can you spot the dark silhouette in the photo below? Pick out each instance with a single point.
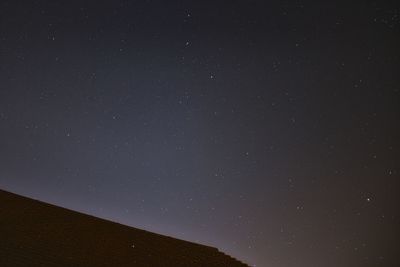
(34, 233)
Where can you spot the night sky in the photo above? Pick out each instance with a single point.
(267, 129)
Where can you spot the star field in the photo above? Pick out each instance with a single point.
(266, 129)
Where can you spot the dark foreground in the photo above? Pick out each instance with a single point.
(34, 233)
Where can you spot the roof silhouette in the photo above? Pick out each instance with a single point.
(35, 233)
